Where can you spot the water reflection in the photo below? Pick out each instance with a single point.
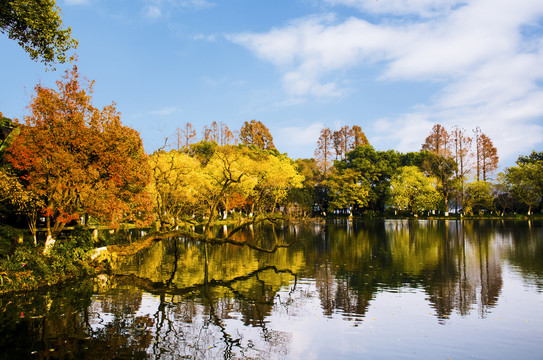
(164, 303)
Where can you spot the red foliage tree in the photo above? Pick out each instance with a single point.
(79, 159)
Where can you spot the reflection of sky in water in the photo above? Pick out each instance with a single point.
(398, 324)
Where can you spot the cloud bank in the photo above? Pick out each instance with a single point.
(486, 55)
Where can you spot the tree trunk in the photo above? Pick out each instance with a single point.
(49, 241)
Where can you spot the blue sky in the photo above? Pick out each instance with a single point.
(393, 67)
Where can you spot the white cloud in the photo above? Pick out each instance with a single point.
(489, 72)
(152, 12)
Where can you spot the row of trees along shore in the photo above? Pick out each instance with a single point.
(69, 162)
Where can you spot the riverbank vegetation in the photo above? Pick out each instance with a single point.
(69, 164)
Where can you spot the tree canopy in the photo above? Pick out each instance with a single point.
(79, 159)
(256, 133)
(37, 26)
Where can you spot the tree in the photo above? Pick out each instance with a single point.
(486, 155)
(306, 197)
(377, 167)
(185, 136)
(23, 201)
(323, 152)
(226, 136)
(525, 182)
(8, 130)
(338, 144)
(79, 159)
(37, 27)
(442, 169)
(276, 176)
(176, 181)
(347, 190)
(478, 197)
(359, 138)
(438, 142)
(215, 133)
(462, 156)
(502, 194)
(411, 190)
(255, 133)
(533, 158)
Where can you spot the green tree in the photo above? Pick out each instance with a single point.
(412, 191)
(478, 198)
(442, 169)
(376, 167)
(347, 190)
(526, 182)
(37, 27)
(306, 196)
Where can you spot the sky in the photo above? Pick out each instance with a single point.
(393, 67)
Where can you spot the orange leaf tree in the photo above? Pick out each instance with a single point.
(79, 159)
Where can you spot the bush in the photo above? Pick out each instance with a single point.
(27, 267)
(9, 236)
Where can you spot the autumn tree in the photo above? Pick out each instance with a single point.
(174, 187)
(226, 137)
(255, 133)
(358, 137)
(338, 144)
(276, 175)
(206, 134)
(185, 136)
(462, 156)
(37, 27)
(488, 157)
(79, 159)
(324, 150)
(438, 142)
(439, 160)
(215, 134)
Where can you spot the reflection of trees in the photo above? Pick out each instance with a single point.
(466, 267)
(458, 263)
(172, 307)
(525, 249)
(196, 322)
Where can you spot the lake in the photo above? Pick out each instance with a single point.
(345, 290)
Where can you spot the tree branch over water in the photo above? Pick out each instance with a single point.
(148, 240)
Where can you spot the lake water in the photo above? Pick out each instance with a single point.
(344, 290)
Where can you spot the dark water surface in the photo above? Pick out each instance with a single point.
(362, 290)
